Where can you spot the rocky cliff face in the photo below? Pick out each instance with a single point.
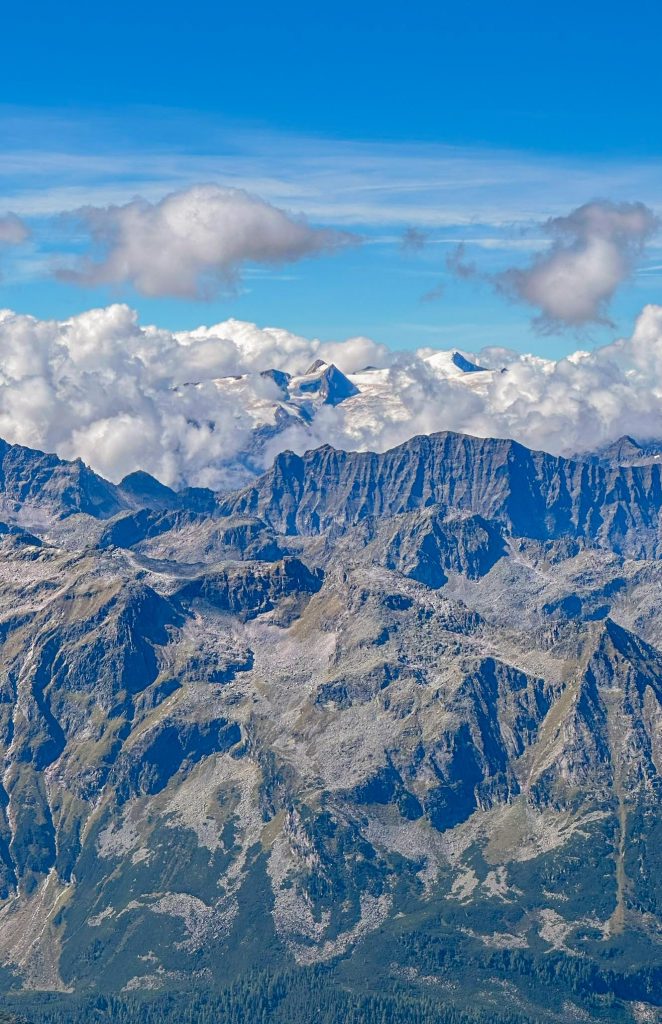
(370, 709)
(534, 494)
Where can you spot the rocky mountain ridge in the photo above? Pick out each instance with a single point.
(368, 709)
(533, 494)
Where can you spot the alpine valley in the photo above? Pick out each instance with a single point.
(375, 738)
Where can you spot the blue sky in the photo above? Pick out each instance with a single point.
(472, 123)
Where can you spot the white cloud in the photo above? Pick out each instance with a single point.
(594, 250)
(236, 346)
(192, 243)
(563, 406)
(103, 387)
(12, 230)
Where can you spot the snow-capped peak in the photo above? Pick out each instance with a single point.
(452, 363)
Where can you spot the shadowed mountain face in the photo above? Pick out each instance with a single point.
(533, 494)
(397, 715)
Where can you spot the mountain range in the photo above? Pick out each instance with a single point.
(388, 723)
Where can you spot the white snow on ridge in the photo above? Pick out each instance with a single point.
(296, 404)
(452, 363)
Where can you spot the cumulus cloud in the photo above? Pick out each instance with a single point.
(594, 250)
(13, 230)
(564, 406)
(123, 396)
(194, 242)
(235, 346)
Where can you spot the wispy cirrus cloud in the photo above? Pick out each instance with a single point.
(108, 160)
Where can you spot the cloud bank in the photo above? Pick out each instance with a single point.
(103, 387)
(192, 243)
(564, 406)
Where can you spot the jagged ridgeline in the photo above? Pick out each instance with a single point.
(376, 738)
